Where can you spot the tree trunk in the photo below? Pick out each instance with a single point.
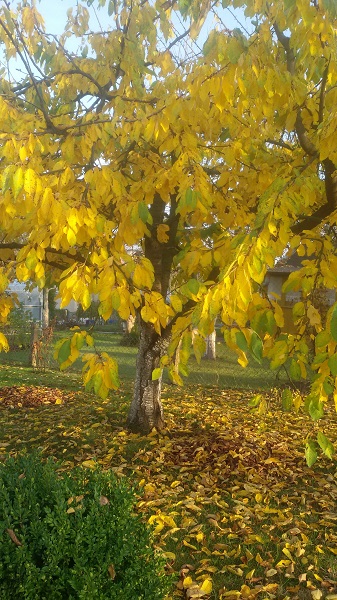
(34, 346)
(45, 309)
(146, 411)
(210, 346)
(129, 324)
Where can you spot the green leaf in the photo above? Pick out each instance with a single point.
(143, 212)
(325, 445)
(115, 300)
(322, 339)
(111, 8)
(31, 260)
(287, 399)
(332, 362)
(241, 341)
(156, 373)
(234, 50)
(97, 380)
(295, 370)
(319, 358)
(100, 223)
(64, 351)
(256, 347)
(191, 198)
(255, 401)
(328, 386)
(333, 322)
(316, 409)
(199, 347)
(193, 286)
(310, 452)
(79, 341)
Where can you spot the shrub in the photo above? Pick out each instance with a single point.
(130, 340)
(72, 536)
(17, 330)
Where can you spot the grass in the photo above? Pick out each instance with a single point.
(224, 372)
(226, 488)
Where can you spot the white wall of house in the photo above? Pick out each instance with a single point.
(31, 300)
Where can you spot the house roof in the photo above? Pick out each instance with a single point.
(288, 264)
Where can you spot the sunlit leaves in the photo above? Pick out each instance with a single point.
(325, 445)
(170, 192)
(311, 452)
(3, 343)
(333, 323)
(215, 526)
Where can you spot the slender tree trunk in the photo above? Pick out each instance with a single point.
(34, 346)
(45, 308)
(129, 324)
(146, 411)
(211, 346)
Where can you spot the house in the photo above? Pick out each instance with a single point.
(275, 279)
(31, 300)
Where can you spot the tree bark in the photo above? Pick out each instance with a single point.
(45, 308)
(146, 411)
(210, 346)
(34, 346)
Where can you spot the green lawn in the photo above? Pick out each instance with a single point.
(224, 372)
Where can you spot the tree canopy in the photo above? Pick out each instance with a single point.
(167, 180)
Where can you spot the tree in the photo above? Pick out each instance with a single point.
(211, 346)
(124, 162)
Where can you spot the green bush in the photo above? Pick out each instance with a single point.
(17, 330)
(72, 536)
(130, 340)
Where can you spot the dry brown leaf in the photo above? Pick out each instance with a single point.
(112, 572)
(104, 501)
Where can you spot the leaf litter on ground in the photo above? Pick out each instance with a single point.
(233, 505)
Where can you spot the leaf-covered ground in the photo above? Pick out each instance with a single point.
(233, 504)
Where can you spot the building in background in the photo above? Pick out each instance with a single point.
(32, 301)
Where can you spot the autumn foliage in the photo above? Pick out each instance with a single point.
(168, 180)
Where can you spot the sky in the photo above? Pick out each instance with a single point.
(55, 15)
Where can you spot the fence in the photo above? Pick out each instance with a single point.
(224, 371)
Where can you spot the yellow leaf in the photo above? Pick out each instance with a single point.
(30, 182)
(89, 464)
(206, 586)
(187, 582)
(142, 277)
(18, 181)
(313, 316)
(283, 563)
(287, 553)
(188, 545)
(170, 555)
(3, 343)
(162, 236)
(176, 303)
(58, 401)
(71, 237)
(23, 153)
